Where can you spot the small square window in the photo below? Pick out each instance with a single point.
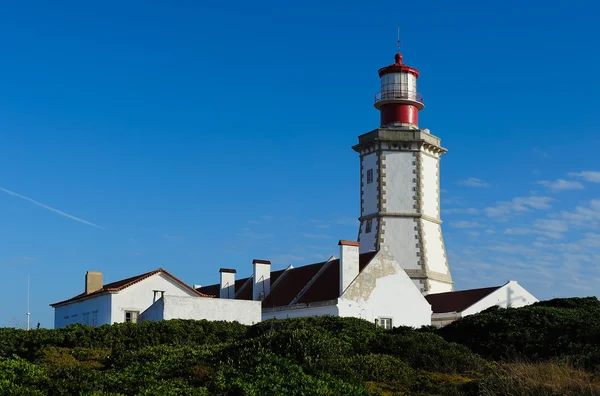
(386, 323)
(370, 176)
(368, 226)
(131, 316)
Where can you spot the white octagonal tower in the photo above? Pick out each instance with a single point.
(400, 183)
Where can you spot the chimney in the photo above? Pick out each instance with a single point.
(227, 283)
(348, 263)
(262, 279)
(93, 281)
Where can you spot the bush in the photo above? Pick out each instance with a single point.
(561, 329)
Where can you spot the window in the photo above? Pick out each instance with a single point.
(386, 323)
(370, 176)
(95, 318)
(131, 316)
(368, 226)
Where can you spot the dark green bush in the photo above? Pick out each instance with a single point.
(310, 356)
(561, 329)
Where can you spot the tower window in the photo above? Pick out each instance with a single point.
(368, 226)
(370, 176)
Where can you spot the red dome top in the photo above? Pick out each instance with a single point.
(398, 67)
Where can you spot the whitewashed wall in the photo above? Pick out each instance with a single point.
(199, 308)
(435, 255)
(368, 241)
(439, 287)
(140, 296)
(84, 311)
(402, 239)
(383, 289)
(401, 181)
(370, 190)
(510, 295)
(429, 186)
(295, 312)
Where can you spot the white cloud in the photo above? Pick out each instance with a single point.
(562, 185)
(286, 258)
(316, 236)
(584, 216)
(471, 211)
(249, 233)
(590, 176)
(473, 182)
(466, 224)
(504, 209)
(549, 228)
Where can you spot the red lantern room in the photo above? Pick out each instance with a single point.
(399, 102)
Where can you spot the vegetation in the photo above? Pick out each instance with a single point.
(545, 349)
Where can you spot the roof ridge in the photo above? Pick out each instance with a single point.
(283, 274)
(312, 280)
(237, 292)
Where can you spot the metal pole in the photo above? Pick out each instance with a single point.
(28, 304)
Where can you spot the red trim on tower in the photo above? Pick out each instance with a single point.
(399, 113)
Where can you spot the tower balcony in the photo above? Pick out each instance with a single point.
(398, 93)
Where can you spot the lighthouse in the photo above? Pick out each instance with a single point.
(400, 183)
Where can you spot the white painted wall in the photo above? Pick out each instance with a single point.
(510, 295)
(199, 308)
(349, 266)
(401, 182)
(368, 241)
(369, 191)
(227, 285)
(384, 290)
(91, 311)
(140, 296)
(402, 239)
(299, 312)
(435, 255)
(155, 312)
(439, 287)
(429, 186)
(261, 278)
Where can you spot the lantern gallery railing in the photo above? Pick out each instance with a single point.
(398, 91)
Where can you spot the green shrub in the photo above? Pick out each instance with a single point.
(561, 329)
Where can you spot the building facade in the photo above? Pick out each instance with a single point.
(120, 301)
(370, 286)
(178, 307)
(450, 306)
(400, 183)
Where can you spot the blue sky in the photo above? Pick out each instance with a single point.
(197, 136)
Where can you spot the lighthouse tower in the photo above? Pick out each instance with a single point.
(400, 183)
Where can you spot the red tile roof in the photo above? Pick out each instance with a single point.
(124, 283)
(457, 301)
(324, 288)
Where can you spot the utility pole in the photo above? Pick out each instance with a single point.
(28, 304)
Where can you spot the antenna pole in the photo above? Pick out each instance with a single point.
(398, 43)
(28, 304)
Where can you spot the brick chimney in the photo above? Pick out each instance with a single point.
(93, 281)
(348, 263)
(261, 286)
(227, 283)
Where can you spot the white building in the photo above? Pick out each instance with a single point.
(450, 306)
(124, 300)
(400, 183)
(371, 286)
(177, 307)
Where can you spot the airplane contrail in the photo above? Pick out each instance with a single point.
(51, 208)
